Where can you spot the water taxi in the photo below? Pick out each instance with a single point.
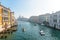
(42, 32)
(42, 24)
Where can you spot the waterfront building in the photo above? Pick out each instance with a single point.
(55, 20)
(44, 18)
(12, 18)
(34, 19)
(22, 18)
(41, 19)
(52, 20)
(6, 16)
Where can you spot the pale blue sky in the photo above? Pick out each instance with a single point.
(28, 8)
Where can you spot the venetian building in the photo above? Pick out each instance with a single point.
(12, 18)
(4, 16)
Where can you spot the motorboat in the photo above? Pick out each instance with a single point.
(42, 32)
(42, 24)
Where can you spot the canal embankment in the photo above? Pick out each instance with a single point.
(4, 32)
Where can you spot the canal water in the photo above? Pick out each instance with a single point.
(32, 32)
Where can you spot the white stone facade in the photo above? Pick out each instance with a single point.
(45, 17)
(55, 20)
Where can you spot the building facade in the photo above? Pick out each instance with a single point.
(55, 20)
(44, 18)
(34, 19)
(5, 16)
(13, 20)
(52, 19)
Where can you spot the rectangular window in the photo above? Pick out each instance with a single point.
(5, 18)
(55, 15)
(55, 20)
(5, 11)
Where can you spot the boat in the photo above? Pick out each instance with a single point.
(42, 32)
(23, 29)
(42, 24)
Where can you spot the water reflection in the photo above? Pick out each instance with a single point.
(55, 34)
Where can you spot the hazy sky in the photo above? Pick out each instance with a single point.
(28, 8)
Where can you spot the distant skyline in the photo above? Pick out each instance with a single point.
(27, 8)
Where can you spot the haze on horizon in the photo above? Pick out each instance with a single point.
(29, 8)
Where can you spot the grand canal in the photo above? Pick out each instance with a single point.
(32, 32)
